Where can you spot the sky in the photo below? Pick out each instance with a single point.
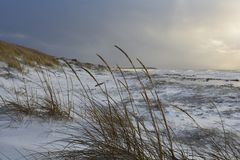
(168, 34)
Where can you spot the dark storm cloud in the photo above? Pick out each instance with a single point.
(163, 33)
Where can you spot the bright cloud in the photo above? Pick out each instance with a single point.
(163, 33)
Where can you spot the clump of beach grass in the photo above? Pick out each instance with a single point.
(116, 130)
(47, 104)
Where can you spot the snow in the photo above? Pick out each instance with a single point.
(202, 93)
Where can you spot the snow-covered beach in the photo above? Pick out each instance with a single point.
(210, 97)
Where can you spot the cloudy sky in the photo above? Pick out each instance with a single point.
(174, 34)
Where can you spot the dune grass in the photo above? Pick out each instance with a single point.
(115, 129)
(14, 55)
(47, 106)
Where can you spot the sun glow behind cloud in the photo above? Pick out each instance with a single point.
(190, 34)
(203, 40)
